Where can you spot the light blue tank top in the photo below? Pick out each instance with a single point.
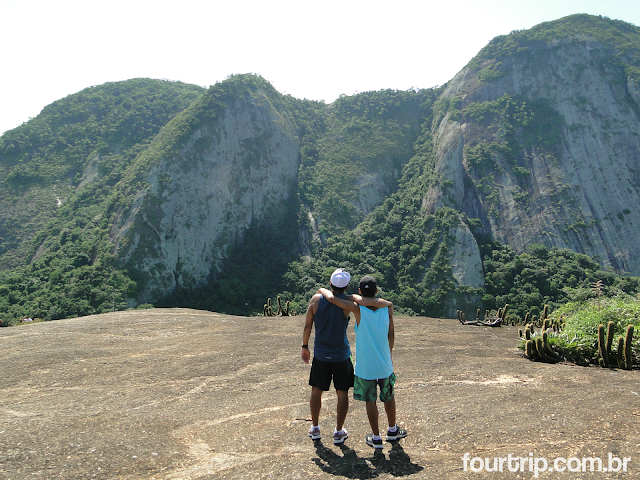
(373, 356)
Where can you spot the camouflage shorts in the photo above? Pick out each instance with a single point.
(367, 391)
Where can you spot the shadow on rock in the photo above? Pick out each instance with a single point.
(349, 465)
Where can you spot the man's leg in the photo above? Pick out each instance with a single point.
(342, 409)
(389, 400)
(315, 403)
(372, 415)
(390, 409)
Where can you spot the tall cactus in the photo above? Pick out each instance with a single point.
(602, 348)
(628, 361)
(620, 355)
(280, 309)
(610, 328)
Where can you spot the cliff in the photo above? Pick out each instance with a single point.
(541, 142)
(228, 173)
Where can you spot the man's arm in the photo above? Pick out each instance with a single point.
(339, 302)
(372, 302)
(391, 335)
(308, 325)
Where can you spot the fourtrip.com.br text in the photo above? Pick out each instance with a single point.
(537, 465)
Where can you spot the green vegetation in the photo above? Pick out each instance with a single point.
(76, 150)
(70, 176)
(582, 337)
(622, 36)
(544, 276)
(368, 133)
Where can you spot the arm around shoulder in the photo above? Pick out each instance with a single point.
(342, 303)
(372, 302)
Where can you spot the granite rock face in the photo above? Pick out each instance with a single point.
(576, 191)
(231, 172)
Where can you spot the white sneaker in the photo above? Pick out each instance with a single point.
(340, 437)
(314, 432)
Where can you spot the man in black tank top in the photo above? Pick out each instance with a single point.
(331, 355)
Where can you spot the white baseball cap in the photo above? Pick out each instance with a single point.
(340, 278)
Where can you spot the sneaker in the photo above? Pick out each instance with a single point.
(314, 433)
(373, 443)
(397, 435)
(340, 437)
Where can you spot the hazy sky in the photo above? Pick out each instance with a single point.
(309, 49)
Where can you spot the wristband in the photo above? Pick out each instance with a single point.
(306, 346)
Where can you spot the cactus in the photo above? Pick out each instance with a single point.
(550, 357)
(287, 309)
(265, 311)
(580, 360)
(464, 317)
(486, 315)
(545, 311)
(520, 332)
(628, 361)
(527, 317)
(610, 328)
(540, 349)
(547, 349)
(527, 333)
(478, 314)
(529, 349)
(620, 356)
(280, 309)
(602, 348)
(504, 312)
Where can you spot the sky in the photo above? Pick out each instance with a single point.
(309, 49)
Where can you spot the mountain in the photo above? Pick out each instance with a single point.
(508, 184)
(540, 139)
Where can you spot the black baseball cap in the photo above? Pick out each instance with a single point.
(368, 286)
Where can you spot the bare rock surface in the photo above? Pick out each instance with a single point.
(186, 394)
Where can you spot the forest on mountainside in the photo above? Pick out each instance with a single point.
(69, 176)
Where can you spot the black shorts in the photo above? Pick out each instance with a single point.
(322, 372)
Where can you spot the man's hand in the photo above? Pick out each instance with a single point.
(306, 355)
(308, 325)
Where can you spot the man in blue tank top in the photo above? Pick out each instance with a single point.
(331, 355)
(374, 344)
